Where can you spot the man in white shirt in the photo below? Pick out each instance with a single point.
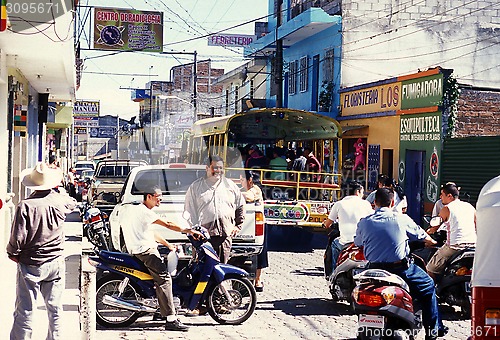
(140, 241)
(460, 221)
(348, 211)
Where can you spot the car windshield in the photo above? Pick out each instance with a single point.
(87, 173)
(113, 170)
(169, 181)
(79, 172)
(84, 165)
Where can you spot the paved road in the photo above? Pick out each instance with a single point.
(295, 304)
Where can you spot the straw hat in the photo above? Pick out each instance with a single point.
(41, 177)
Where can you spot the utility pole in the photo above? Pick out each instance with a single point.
(279, 57)
(195, 85)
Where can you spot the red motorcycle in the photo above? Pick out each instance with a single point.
(351, 261)
(384, 307)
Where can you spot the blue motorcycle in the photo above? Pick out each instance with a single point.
(126, 291)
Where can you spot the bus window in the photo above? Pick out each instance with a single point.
(297, 197)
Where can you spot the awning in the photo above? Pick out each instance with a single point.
(354, 130)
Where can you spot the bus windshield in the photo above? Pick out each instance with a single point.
(294, 151)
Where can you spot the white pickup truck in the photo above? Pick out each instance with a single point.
(174, 180)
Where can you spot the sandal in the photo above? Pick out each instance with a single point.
(259, 288)
(194, 312)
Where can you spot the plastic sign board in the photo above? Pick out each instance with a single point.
(128, 30)
(236, 40)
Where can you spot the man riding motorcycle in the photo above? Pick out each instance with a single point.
(384, 236)
(460, 221)
(140, 242)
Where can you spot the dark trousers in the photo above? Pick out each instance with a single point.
(422, 287)
(222, 246)
(162, 279)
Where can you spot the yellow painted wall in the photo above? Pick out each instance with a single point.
(383, 131)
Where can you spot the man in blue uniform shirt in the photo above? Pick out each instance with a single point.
(384, 236)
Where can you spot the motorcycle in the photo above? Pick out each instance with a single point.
(453, 286)
(127, 292)
(96, 226)
(351, 261)
(384, 307)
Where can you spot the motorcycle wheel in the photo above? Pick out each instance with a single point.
(242, 304)
(109, 316)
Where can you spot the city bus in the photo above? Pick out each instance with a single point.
(294, 198)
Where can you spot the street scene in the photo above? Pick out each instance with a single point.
(295, 303)
(313, 169)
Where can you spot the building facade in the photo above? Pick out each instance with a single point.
(36, 90)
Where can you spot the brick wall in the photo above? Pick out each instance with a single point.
(478, 113)
(182, 77)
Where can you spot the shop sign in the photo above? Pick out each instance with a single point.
(286, 212)
(422, 92)
(85, 109)
(102, 132)
(20, 119)
(420, 128)
(80, 130)
(86, 122)
(381, 98)
(237, 40)
(129, 30)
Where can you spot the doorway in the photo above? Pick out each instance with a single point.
(414, 183)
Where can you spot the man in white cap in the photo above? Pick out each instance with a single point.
(36, 245)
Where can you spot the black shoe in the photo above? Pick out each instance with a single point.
(176, 326)
(159, 317)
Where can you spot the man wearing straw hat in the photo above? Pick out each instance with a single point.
(36, 245)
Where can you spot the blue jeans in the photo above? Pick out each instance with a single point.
(336, 249)
(422, 287)
(48, 279)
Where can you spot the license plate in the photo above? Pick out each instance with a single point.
(371, 321)
(467, 287)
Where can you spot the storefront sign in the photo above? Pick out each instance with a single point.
(86, 122)
(422, 92)
(80, 130)
(420, 128)
(102, 132)
(380, 98)
(131, 30)
(238, 40)
(20, 119)
(85, 109)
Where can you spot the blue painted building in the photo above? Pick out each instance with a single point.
(312, 43)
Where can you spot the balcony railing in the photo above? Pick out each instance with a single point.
(332, 7)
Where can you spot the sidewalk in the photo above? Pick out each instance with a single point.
(71, 294)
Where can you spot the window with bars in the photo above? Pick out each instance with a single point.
(303, 74)
(292, 80)
(328, 74)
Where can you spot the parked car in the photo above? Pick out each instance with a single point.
(174, 180)
(108, 182)
(85, 164)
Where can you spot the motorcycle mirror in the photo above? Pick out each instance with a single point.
(435, 221)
